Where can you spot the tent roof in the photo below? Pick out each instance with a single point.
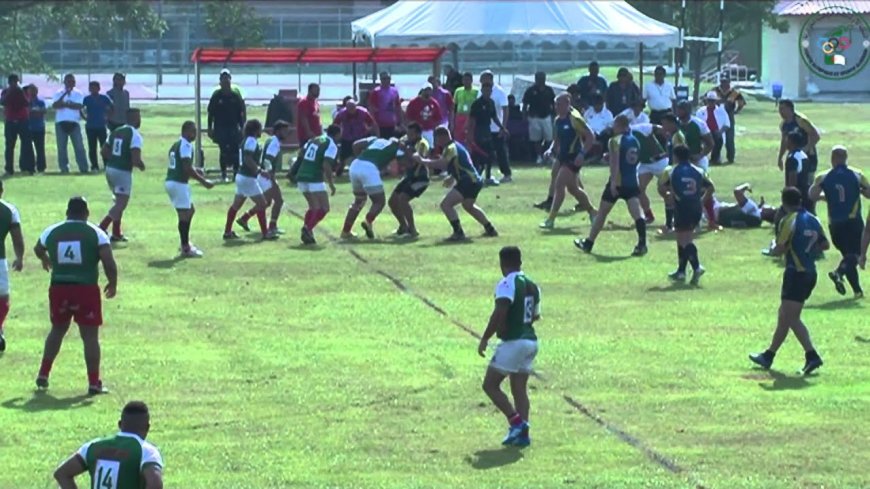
(462, 22)
(315, 55)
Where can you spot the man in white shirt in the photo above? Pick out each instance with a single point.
(499, 98)
(635, 113)
(67, 103)
(599, 119)
(659, 95)
(717, 120)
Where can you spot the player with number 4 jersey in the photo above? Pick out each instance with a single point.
(178, 175)
(72, 251)
(122, 152)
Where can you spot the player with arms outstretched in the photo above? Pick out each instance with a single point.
(10, 225)
(122, 152)
(178, 176)
(270, 162)
(413, 184)
(319, 155)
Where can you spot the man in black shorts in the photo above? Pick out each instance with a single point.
(480, 116)
(414, 183)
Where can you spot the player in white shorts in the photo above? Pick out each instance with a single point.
(10, 224)
(270, 161)
(319, 156)
(365, 178)
(179, 173)
(247, 186)
(653, 160)
(122, 152)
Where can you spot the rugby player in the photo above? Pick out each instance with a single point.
(465, 181)
(744, 212)
(517, 307)
(674, 137)
(796, 122)
(178, 175)
(843, 187)
(800, 238)
(365, 178)
(318, 157)
(653, 160)
(270, 161)
(623, 184)
(248, 183)
(690, 187)
(697, 135)
(795, 166)
(10, 225)
(72, 250)
(122, 152)
(571, 136)
(121, 461)
(414, 183)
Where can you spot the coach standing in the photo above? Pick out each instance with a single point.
(308, 123)
(226, 116)
(538, 108)
(67, 103)
(733, 102)
(16, 107)
(499, 98)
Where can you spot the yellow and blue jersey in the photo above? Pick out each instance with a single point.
(460, 165)
(628, 148)
(800, 125)
(687, 182)
(843, 186)
(801, 233)
(677, 139)
(569, 130)
(418, 171)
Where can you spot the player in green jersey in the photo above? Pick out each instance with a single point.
(247, 183)
(319, 155)
(653, 160)
(178, 175)
(122, 152)
(10, 224)
(365, 178)
(414, 183)
(72, 251)
(517, 307)
(121, 461)
(674, 137)
(270, 162)
(699, 140)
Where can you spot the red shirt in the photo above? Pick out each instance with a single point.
(711, 119)
(309, 109)
(425, 112)
(16, 104)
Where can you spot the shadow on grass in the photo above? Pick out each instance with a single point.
(445, 242)
(391, 240)
(861, 339)
(307, 247)
(235, 243)
(490, 459)
(783, 382)
(42, 401)
(834, 305)
(560, 232)
(165, 264)
(608, 258)
(673, 287)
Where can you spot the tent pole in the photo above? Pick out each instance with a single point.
(640, 57)
(298, 79)
(354, 72)
(197, 94)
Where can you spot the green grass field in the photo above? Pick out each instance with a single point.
(270, 365)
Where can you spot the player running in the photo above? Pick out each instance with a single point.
(697, 135)
(570, 135)
(121, 461)
(653, 160)
(365, 178)
(10, 225)
(414, 183)
(690, 187)
(465, 180)
(843, 187)
(122, 152)
(248, 184)
(800, 238)
(623, 184)
(517, 307)
(178, 175)
(270, 161)
(72, 250)
(318, 158)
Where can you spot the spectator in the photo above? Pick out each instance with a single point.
(226, 116)
(600, 120)
(660, 96)
(635, 113)
(356, 123)
(120, 102)
(36, 125)
(717, 121)
(67, 103)
(444, 99)
(463, 97)
(518, 132)
(622, 93)
(340, 106)
(482, 114)
(499, 98)
(734, 102)
(385, 106)
(590, 85)
(425, 111)
(539, 107)
(308, 123)
(16, 107)
(225, 74)
(97, 108)
(452, 79)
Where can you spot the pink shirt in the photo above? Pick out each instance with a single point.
(445, 101)
(309, 109)
(354, 126)
(383, 102)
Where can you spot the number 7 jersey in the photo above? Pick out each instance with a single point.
(116, 462)
(74, 250)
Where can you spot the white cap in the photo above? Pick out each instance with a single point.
(426, 86)
(711, 95)
(839, 147)
(226, 71)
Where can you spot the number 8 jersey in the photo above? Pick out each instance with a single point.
(525, 308)
(74, 249)
(116, 462)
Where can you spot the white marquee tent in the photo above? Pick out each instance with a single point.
(444, 22)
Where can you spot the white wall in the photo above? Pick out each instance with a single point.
(781, 61)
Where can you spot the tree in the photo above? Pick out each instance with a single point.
(702, 19)
(234, 23)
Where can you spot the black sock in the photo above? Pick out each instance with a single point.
(681, 257)
(640, 226)
(184, 233)
(851, 273)
(669, 217)
(550, 198)
(488, 227)
(692, 256)
(457, 228)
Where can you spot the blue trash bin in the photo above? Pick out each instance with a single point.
(776, 89)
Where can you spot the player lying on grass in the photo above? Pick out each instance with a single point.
(270, 161)
(413, 184)
(743, 212)
(178, 175)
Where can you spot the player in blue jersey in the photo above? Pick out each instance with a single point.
(623, 184)
(796, 167)
(843, 187)
(800, 238)
(690, 187)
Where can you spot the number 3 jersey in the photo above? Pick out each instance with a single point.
(116, 462)
(74, 250)
(525, 299)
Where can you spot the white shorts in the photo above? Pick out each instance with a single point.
(311, 187)
(655, 168)
(429, 136)
(540, 129)
(514, 356)
(4, 277)
(120, 181)
(179, 194)
(365, 177)
(247, 186)
(265, 183)
(703, 163)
